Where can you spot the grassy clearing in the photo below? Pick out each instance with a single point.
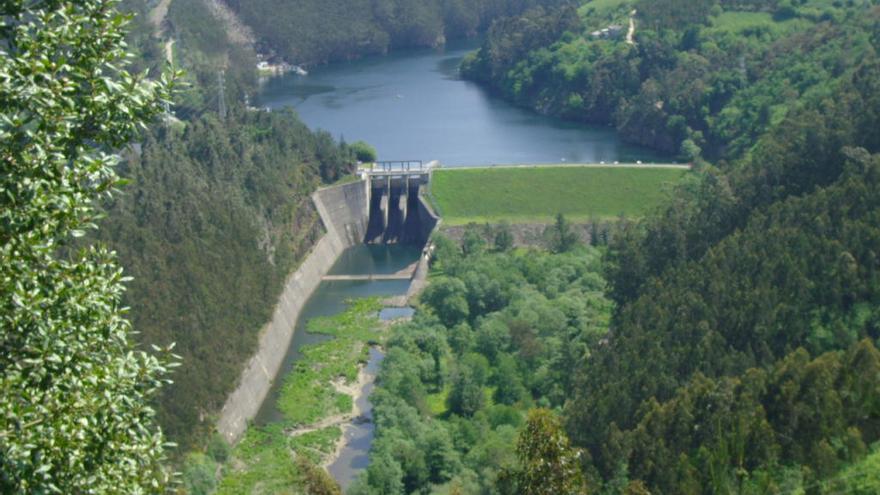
(317, 444)
(754, 23)
(603, 9)
(537, 194)
(263, 461)
(437, 402)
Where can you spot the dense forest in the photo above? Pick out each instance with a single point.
(668, 406)
(498, 333)
(202, 45)
(317, 31)
(216, 215)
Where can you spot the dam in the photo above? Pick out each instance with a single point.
(395, 212)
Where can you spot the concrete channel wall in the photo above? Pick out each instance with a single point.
(344, 212)
(428, 220)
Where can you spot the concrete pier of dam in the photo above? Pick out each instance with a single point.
(397, 214)
(388, 200)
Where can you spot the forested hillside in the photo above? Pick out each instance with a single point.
(317, 31)
(200, 43)
(762, 361)
(216, 214)
(702, 78)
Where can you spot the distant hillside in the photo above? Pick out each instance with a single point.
(702, 78)
(317, 31)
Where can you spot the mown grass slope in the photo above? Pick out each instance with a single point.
(537, 194)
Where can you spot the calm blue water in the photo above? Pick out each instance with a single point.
(413, 106)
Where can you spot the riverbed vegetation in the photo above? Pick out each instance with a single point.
(312, 409)
(537, 194)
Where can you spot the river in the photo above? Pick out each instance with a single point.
(413, 105)
(329, 299)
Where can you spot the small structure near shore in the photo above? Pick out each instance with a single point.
(264, 67)
(612, 32)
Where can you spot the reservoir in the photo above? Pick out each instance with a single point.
(412, 105)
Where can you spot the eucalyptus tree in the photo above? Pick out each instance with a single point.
(74, 390)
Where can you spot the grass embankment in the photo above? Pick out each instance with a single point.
(262, 460)
(537, 194)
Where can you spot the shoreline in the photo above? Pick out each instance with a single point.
(357, 392)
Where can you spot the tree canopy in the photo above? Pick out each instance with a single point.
(75, 414)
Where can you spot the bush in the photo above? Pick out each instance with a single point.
(364, 152)
(218, 449)
(785, 11)
(503, 236)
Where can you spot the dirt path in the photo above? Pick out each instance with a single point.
(335, 420)
(158, 15)
(238, 32)
(169, 51)
(630, 35)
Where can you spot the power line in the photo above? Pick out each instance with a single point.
(221, 95)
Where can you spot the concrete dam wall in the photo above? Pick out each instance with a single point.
(344, 213)
(398, 213)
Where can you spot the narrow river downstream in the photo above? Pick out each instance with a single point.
(329, 299)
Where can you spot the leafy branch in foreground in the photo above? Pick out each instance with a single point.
(549, 464)
(74, 392)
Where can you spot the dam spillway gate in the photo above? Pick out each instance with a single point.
(396, 211)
